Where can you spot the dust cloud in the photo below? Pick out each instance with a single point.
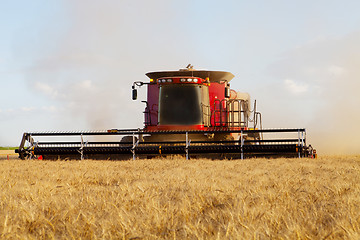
(330, 69)
(104, 48)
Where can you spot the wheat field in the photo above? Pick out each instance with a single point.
(178, 199)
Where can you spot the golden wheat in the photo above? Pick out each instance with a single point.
(179, 199)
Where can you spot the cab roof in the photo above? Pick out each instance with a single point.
(214, 76)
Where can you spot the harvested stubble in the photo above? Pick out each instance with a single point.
(5, 154)
(179, 199)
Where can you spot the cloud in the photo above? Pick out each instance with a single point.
(336, 71)
(295, 87)
(28, 109)
(86, 85)
(46, 89)
(49, 108)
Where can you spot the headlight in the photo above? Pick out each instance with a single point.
(195, 80)
(183, 80)
(169, 80)
(164, 80)
(189, 79)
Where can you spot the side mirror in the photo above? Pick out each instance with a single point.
(134, 94)
(227, 91)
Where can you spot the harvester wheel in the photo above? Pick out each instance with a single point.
(128, 139)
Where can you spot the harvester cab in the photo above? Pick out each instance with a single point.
(191, 112)
(191, 99)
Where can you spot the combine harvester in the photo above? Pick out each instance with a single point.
(188, 112)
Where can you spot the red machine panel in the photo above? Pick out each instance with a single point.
(216, 95)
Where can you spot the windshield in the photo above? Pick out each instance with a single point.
(180, 105)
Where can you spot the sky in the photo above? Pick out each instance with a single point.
(69, 65)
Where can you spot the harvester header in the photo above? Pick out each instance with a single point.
(190, 112)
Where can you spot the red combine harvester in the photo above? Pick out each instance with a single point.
(190, 112)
